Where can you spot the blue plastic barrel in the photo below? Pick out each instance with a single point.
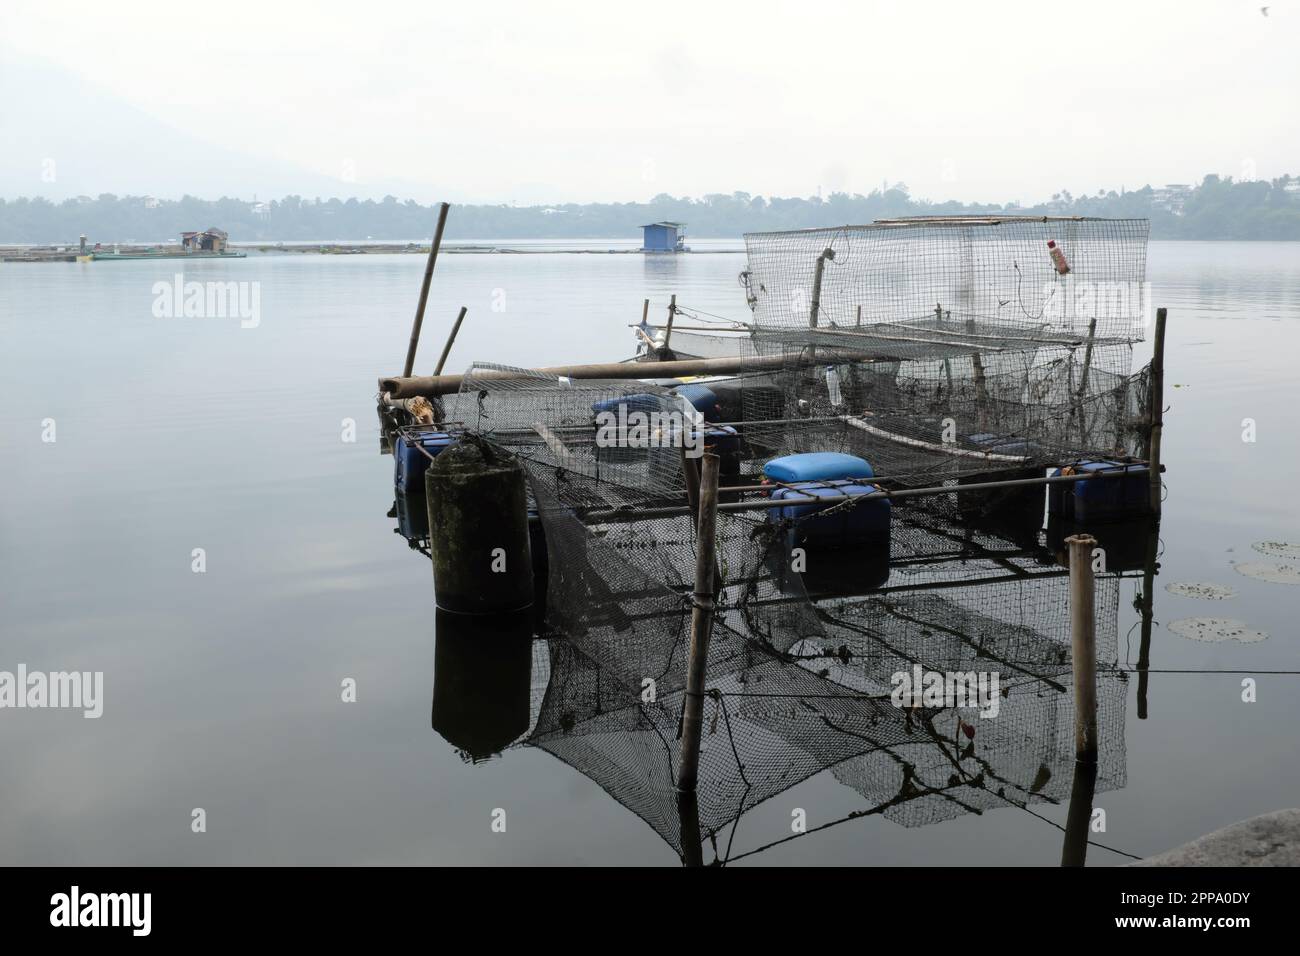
(849, 526)
(410, 464)
(818, 466)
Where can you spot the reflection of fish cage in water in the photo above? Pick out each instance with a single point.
(774, 720)
(953, 357)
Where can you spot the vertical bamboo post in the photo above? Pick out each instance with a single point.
(816, 307)
(668, 331)
(691, 472)
(1157, 408)
(645, 313)
(981, 390)
(701, 624)
(1083, 645)
(424, 289)
(446, 349)
(1083, 384)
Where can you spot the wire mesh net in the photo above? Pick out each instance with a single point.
(996, 280)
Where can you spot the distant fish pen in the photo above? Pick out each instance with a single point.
(909, 401)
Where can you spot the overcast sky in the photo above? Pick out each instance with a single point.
(503, 101)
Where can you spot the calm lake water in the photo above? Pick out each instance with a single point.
(222, 689)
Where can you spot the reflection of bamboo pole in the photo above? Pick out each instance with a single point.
(1074, 849)
(1148, 614)
(688, 809)
(701, 624)
(1083, 645)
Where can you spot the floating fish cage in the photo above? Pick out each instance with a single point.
(907, 397)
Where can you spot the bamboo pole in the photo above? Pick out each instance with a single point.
(1083, 383)
(629, 514)
(424, 289)
(691, 468)
(930, 446)
(668, 329)
(446, 349)
(678, 327)
(817, 287)
(409, 386)
(981, 389)
(1157, 408)
(701, 624)
(817, 297)
(964, 342)
(553, 442)
(1083, 646)
(1051, 338)
(691, 474)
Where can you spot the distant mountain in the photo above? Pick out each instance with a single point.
(1217, 208)
(64, 136)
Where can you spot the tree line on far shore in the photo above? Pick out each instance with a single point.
(1216, 208)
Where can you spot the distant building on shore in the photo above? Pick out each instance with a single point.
(210, 240)
(1171, 197)
(663, 237)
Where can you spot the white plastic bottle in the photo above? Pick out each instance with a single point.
(833, 386)
(1058, 257)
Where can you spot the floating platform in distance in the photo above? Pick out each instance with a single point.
(119, 256)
